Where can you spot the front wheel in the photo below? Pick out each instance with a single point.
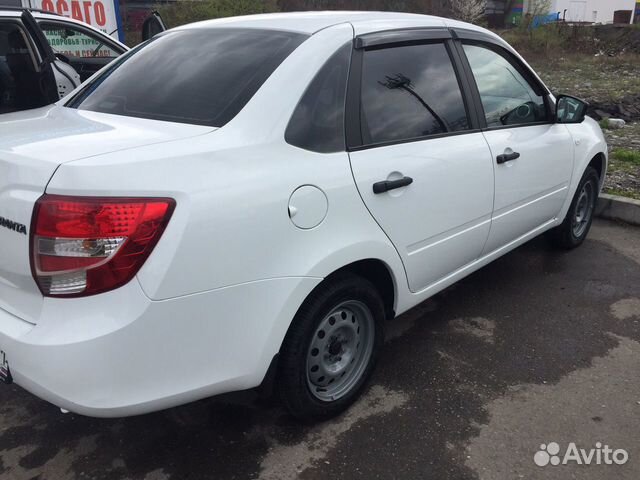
(331, 347)
(576, 225)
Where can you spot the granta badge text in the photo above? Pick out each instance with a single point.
(11, 225)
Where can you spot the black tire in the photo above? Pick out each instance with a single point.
(564, 236)
(293, 381)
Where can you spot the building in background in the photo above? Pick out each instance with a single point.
(514, 15)
(512, 12)
(594, 11)
(496, 11)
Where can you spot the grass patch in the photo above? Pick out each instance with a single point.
(540, 41)
(626, 155)
(622, 193)
(604, 124)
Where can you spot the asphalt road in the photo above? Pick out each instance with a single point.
(538, 347)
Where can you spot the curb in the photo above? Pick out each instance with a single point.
(614, 207)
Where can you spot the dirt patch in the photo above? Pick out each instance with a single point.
(603, 81)
(626, 108)
(616, 39)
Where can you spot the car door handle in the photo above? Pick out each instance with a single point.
(381, 187)
(507, 157)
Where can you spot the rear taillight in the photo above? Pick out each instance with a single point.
(87, 245)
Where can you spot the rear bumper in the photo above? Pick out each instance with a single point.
(120, 354)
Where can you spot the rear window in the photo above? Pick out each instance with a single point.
(199, 76)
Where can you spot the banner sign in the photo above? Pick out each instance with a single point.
(101, 14)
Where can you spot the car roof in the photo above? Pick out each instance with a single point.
(17, 11)
(311, 22)
(363, 22)
(10, 12)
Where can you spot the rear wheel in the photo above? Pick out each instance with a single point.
(575, 227)
(330, 350)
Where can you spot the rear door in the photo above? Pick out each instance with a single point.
(421, 165)
(86, 51)
(532, 155)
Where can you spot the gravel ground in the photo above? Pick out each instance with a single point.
(597, 79)
(607, 81)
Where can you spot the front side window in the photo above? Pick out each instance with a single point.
(72, 41)
(200, 76)
(507, 97)
(410, 92)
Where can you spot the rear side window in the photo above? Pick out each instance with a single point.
(317, 124)
(507, 96)
(199, 76)
(410, 92)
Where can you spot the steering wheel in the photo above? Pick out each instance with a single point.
(520, 114)
(523, 111)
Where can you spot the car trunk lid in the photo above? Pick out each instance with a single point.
(32, 146)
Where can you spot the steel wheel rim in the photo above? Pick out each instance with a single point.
(583, 210)
(340, 350)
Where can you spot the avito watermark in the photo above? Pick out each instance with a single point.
(549, 454)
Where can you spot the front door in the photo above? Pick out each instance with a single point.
(422, 172)
(533, 156)
(26, 75)
(84, 50)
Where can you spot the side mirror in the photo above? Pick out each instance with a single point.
(62, 57)
(66, 33)
(570, 109)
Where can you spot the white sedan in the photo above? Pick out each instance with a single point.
(246, 201)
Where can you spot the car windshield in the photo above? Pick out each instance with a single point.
(199, 76)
